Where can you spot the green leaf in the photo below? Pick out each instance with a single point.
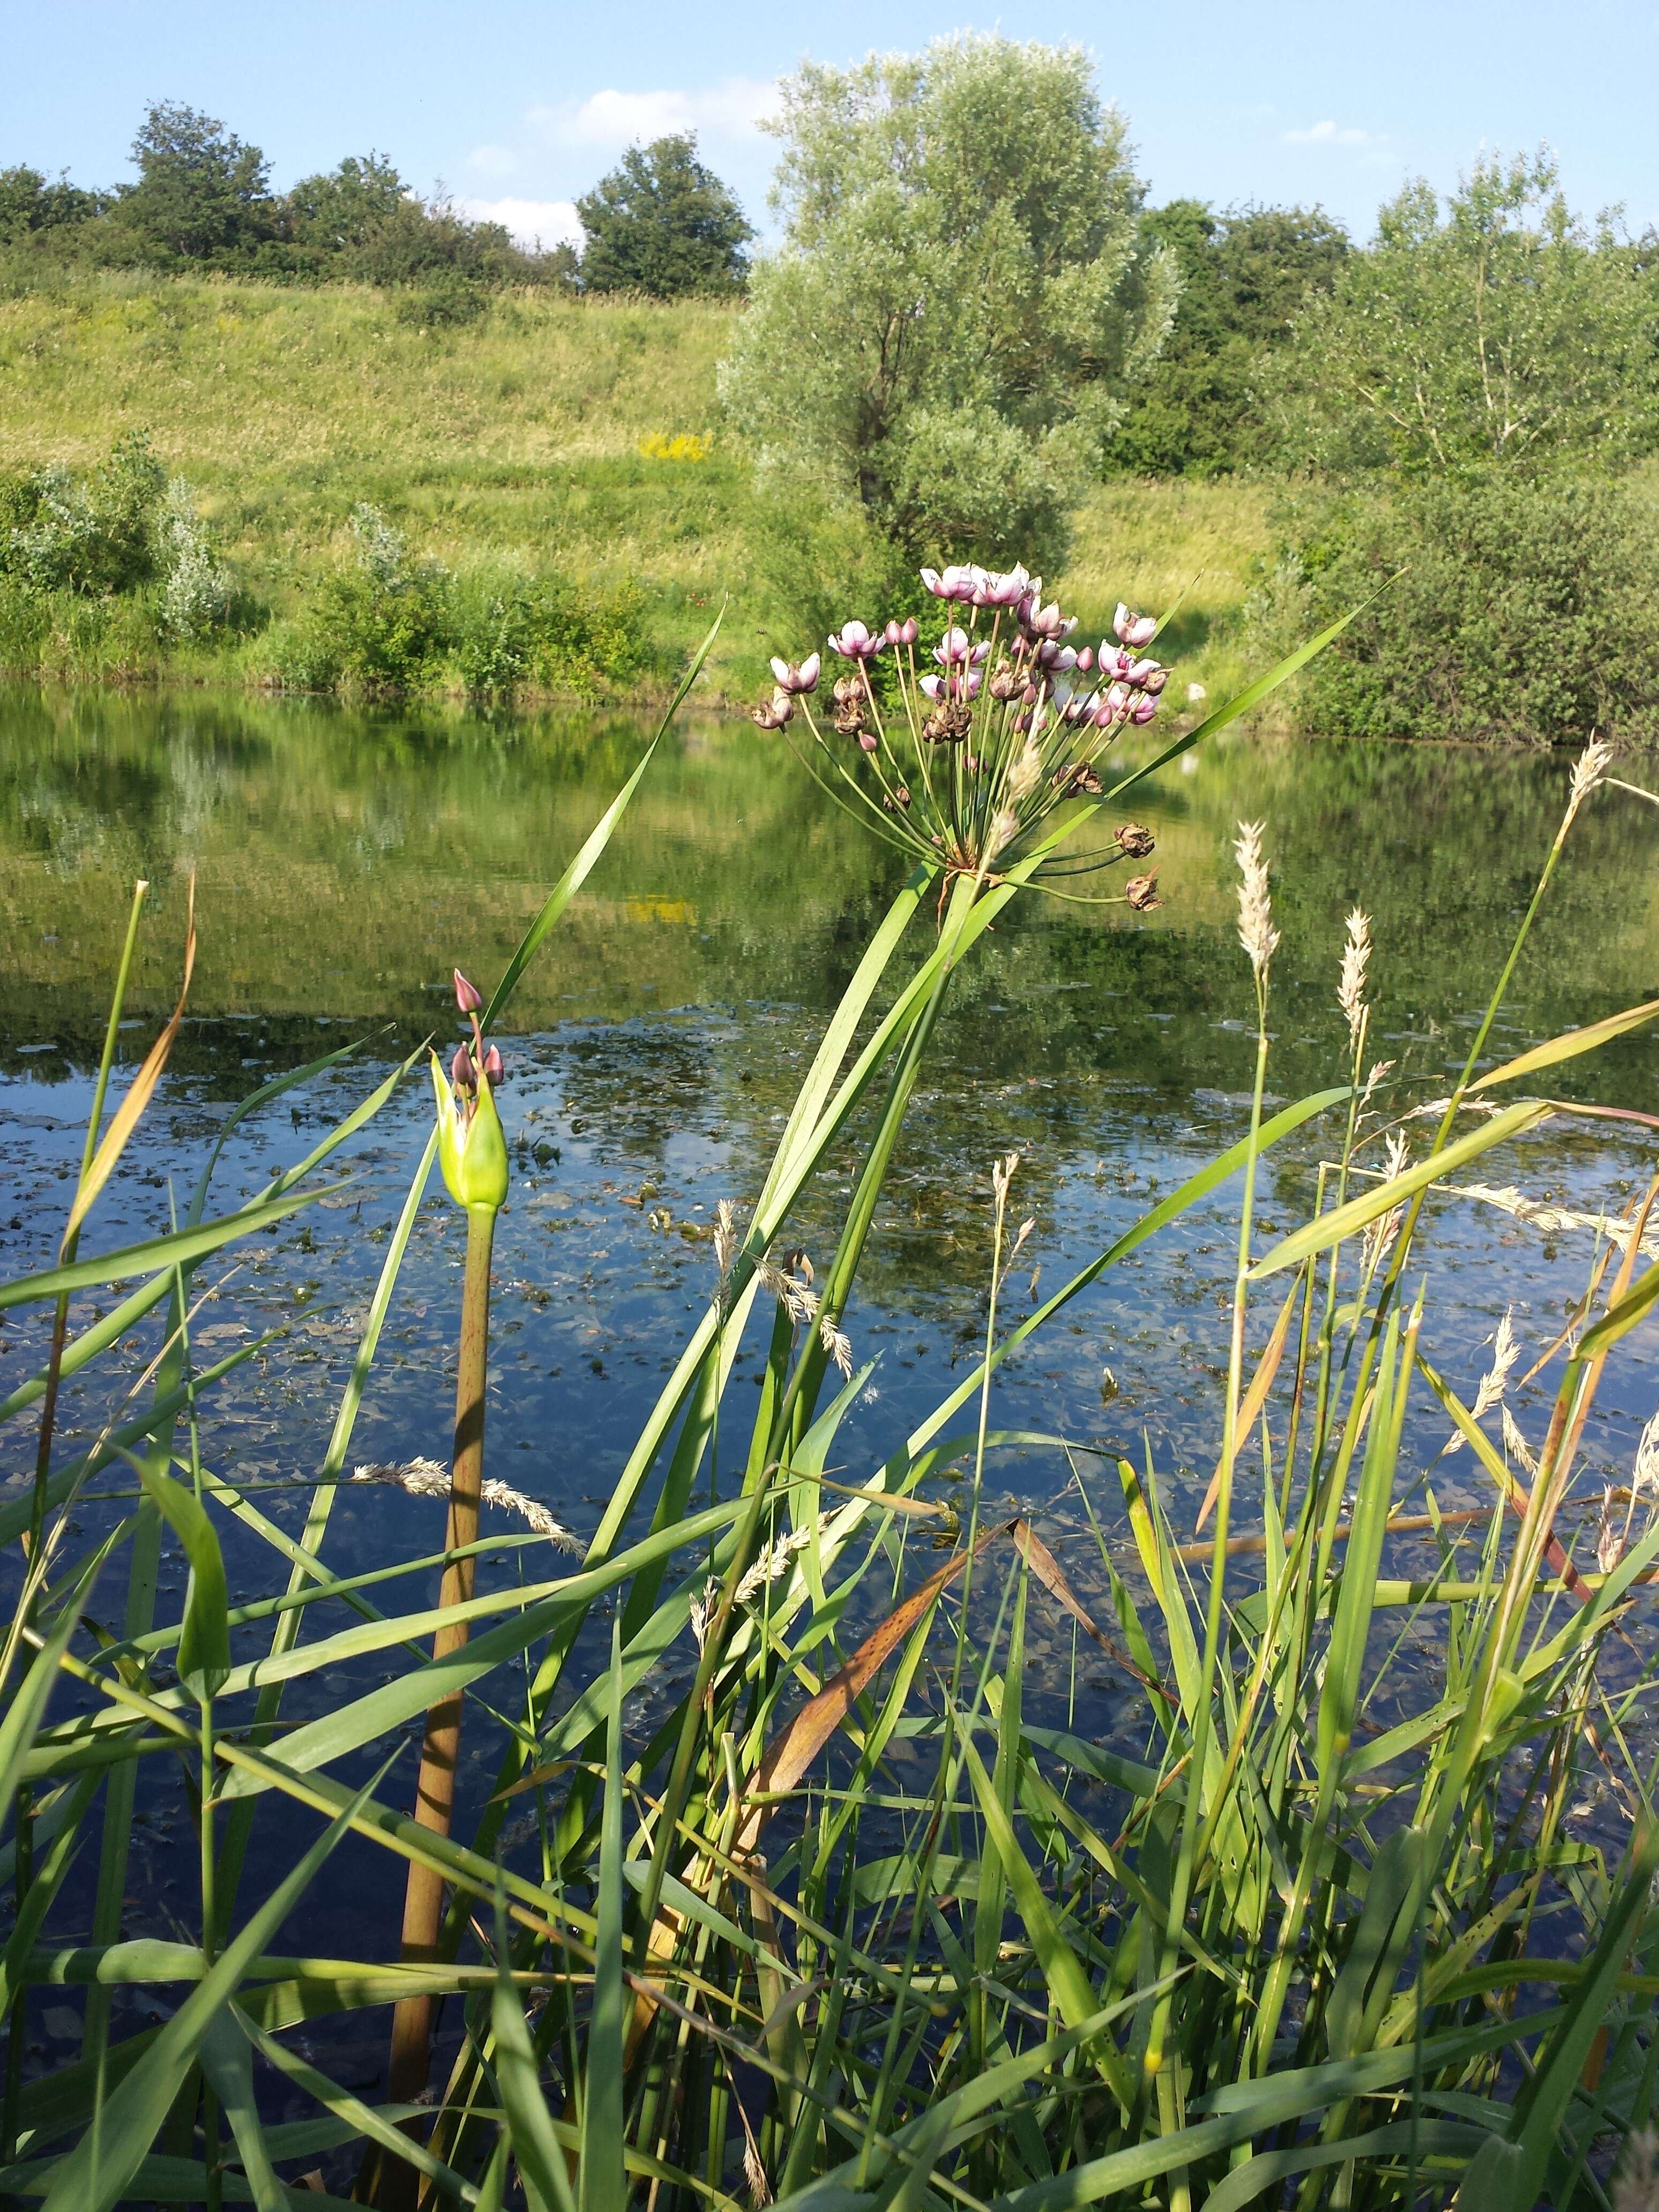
(582, 866)
(539, 2154)
(204, 1645)
(176, 1249)
(602, 2185)
(228, 2061)
(1242, 701)
(1568, 1046)
(100, 2169)
(1328, 1229)
(1510, 2173)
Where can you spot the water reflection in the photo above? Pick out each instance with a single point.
(344, 861)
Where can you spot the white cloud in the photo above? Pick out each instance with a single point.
(732, 109)
(551, 222)
(494, 160)
(1327, 134)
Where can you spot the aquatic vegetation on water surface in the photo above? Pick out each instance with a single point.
(793, 1877)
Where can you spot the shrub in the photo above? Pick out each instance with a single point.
(1519, 608)
(378, 623)
(542, 631)
(196, 584)
(58, 532)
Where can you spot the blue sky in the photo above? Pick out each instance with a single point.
(517, 106)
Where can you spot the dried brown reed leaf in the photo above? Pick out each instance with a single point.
(1256, 1397)
(792, 1752)
(141, 1092)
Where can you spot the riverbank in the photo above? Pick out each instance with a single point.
(547, 444)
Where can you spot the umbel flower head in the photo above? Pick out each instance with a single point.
(471, 1145)
(961, 744)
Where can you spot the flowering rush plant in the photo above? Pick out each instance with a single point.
(1003, 721)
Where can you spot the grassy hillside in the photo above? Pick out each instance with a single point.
(513, 439)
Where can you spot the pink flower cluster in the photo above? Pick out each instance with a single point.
(1028, 634)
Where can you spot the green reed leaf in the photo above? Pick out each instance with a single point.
(1344, 1221)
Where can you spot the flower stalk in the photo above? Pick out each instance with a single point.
(472, 1152)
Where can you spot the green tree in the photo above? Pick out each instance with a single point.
(30, 203)
(202, 195)
(1496, 331)
(663, 223)
(1244, 276)
(961, 303)
(334, 215)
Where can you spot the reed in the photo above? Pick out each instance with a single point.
(845, 1925)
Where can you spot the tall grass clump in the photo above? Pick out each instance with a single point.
(815, 1906)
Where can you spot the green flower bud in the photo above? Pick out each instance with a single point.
(472, 1143)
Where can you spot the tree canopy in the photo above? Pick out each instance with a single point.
(961, 300)
(202, 193)
(1494, 330)
(664, 224)
(1245, 275)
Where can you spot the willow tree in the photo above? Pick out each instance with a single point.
(958, 306)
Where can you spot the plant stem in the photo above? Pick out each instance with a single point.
(434, 1792)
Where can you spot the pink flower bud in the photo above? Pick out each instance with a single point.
(1132, 628)
(1085, 659)
(495, 1067)
(910, 630)
(867, 741)
(466, 998)
(461, 1071)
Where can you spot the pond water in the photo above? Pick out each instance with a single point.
(344, 861)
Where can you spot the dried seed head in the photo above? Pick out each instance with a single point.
(424, 1478)
(1380, 1235)
(726, 1240)
(1515, 1444)
(1078, 780)
(1505, 1351)
(1645, 1476)
(1590, 771)
(759, 2189)
(838, 1345)
(1025, 775)
(1379, 1069)
(1256, 932)
(1611, 1531)
(1134, 841)
(1141, 891)
(1356, 959)
(1005, 828)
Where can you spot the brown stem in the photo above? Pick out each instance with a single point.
(434, 1791)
